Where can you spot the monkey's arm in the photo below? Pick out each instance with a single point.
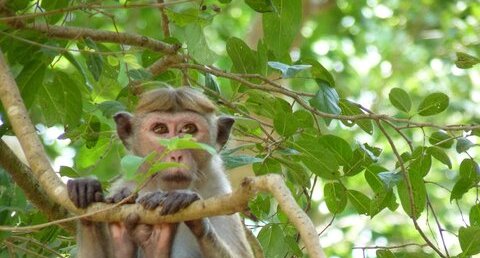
(97, 239)
(211, 243)
(93, 238)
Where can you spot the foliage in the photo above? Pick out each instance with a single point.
(362, 106)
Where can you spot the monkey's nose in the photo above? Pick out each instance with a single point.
(176, 157)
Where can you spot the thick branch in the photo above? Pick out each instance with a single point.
(27, 136)
(223, 205)
(23, 177)
(78, 33)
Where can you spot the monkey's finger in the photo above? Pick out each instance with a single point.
(82, 191)
(132, 219)
(109, 199)
(72, 188)
(178, 201)
(128, 194)
(91, 189)
(132, 223)
(151, 201)
(99, 197)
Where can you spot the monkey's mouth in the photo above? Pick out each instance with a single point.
(175, 177)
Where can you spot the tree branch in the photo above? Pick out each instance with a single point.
(273, 87)
(165, 22)
(78, 33)
(27, 136)
(23, 177)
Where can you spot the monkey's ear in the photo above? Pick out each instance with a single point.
(124, 127)
(224, 126)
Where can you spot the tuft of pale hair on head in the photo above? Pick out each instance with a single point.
(174, 100)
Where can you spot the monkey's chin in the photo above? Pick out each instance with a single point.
(175, 180)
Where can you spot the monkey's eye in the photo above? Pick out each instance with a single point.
(160, 128)
(189, 129)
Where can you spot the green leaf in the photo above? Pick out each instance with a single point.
(440, 155)
(92, 132)
(54, 5)
(335, 197)
(231, 161)
(30, 80)
(243, 58)
(339, 147)
(385, 253)
(463, 145)
(359, 162)
(419, 195)
(69, 172)
(139, 74)
(110, 108)
(268, 166)
(130, 165)
(380, 201)
(16, 5)
(284, 123)
(469, 240)
(261, 6)
(288, 71)
(271, 238)
(420, 162)
(351, 109)
(360, 201)
(326, 100)
(212, 84)
(433, 104)
(441, 139)
(94, 60)
(60, 100)
(188, 16)
(281, 27)
(160, 166)
(460, 188)
(79, 68)
(375, 182)
(186, 142)
(390, 179)
(470, 169)
(303, 118)
(197, 45)
(474, 215)
(400, 99)
(317, 158)
(320, 73)
(465, 61)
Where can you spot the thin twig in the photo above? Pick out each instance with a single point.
(408, 183)
(390, 247)
(304, 104)
(90, 7)
(439, 226)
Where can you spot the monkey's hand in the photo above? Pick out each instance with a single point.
(155, 240)
(123, 193)
(84, 191)
(174, 201)
(171, 202)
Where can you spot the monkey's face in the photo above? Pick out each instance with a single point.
(157, 125)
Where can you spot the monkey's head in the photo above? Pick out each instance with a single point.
(168, 113)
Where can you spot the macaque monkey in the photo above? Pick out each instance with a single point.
(166, 113)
